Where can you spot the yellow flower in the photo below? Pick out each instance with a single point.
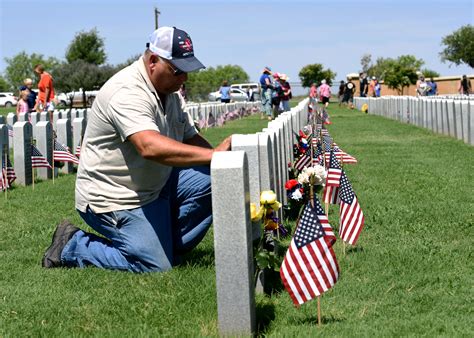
(254, 214)
(268, 199)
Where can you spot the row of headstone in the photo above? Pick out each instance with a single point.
(23, 136)
(452, 96)
(450, 117)
(69, 126)
(256, 163)
(210, 114)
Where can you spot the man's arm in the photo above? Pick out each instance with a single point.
(198, 140)
(151, 145)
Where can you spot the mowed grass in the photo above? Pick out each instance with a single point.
(4, 111)
(410, 274)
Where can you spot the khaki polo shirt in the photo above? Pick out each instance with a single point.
(112, 175)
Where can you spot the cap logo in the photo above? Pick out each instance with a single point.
(187, 45)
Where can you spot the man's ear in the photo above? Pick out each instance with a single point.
(154, 59)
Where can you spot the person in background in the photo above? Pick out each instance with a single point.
(249, 92)
(143, 181)
(340, 93)
(22, 105)
(377, 88)
(277, 94)
(46, 91)
(371, 91)
(364, 84)
(267, 87)
(324, 93)
(422, 87)
(28, 85)
(287, 95)
(464, 86)
(224, 90)
(433, 87)
(182, 91)
(313, 95)
(349, 93)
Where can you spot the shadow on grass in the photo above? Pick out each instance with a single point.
(199, 258)
(265, 314)
(271, 282)
(313, 320)
(354, 249)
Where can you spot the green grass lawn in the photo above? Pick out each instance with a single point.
(4, 111)
(410, 274)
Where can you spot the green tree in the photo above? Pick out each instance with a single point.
(402, 72)
(314, 73)
(79, 74)
(379, 68)
(459, 46)
(4, 86)
(87, 46)
(20, 67)
(365, 62)
(429, 73)
(200, 84)
(127, 62)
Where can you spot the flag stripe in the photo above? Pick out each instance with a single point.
(289, 285)
(301, 262)
(352, 221)
(310, 267)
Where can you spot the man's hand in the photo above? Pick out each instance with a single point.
(225, 145)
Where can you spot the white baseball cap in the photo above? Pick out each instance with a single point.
(176, 46)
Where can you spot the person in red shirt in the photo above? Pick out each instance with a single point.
(46, 90)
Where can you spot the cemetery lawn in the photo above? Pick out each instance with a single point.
(4, 111)
(410, 274)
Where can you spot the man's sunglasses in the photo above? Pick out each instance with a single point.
(176, 71)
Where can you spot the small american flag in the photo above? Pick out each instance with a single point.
(37, 159)
(3, 180)
(10, 130)
(310, 267)
(331, 194)
(334, 171)
(78, 150)
(327, 142)
(10, 172)
(303, 161)
(341, 155)
(351, 217)
(318, 154)
(346, 158)
(62, 154)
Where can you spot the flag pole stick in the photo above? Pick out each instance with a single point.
(319, 311)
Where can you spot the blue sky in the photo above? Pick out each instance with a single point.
(285, 35)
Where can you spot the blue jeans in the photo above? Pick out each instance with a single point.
(267, 101)
(151, 237)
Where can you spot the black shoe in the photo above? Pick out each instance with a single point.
(64, 231)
